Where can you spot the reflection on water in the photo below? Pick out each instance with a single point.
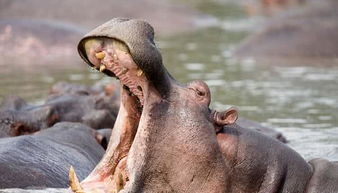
(299, 101)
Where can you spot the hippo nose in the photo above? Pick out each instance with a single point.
(201, 90)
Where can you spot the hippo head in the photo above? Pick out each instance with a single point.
(164, 138)
(19, 118)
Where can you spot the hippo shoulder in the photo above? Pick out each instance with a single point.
(324, 178)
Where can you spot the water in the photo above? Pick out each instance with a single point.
(300, 101)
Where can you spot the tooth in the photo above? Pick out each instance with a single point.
(139, 72)
(109, 65)
(102, 67)
(124, 70)
(115, 57)
(74, 181)
(119, 182)
(100, 55)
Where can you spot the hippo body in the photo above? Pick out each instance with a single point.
(38, 43)
(262, 164)
(182, 17)
(296, 37)
(272, 166)
(249, 124)
(93, 106)
(18, 118)
(43, 159)
(324, 178)
(167, 139)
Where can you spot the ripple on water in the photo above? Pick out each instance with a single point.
(313, 143)
(291, 72)
(194, 66)
(321, 77)
(288, 120)
(76, 77)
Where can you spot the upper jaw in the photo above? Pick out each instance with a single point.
(137, 96)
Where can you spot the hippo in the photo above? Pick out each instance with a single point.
(182, 16)
(161, 121)
(167, 139)
(94, 106)
(303, 37)
(105, 135)
(249, 124)
(43, 159)
(38, 43)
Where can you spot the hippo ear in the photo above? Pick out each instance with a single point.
(101, 139)
(19, 128)
(226, 117)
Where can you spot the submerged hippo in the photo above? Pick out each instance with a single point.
(25, 42)
(43, 159)
(94, 106)
(304, 37)
(167, 139)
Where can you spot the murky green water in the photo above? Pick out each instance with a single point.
(300, 101)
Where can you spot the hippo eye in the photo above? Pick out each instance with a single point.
(200, 93)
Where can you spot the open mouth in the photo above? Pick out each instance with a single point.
(111, 174)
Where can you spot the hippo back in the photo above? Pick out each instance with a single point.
(324, 178)
(43, 160)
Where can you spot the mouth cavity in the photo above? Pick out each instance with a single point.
(131, 77)
(111, 175)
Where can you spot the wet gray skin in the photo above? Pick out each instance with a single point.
(167, 139)
(66, 102)
(43, 159)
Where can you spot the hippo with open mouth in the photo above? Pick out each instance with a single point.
(167, 139)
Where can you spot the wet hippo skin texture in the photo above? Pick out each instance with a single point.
(324, 177)
(43, 159)
(245, 123)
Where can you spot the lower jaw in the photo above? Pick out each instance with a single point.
(109, 184)
(110, 177)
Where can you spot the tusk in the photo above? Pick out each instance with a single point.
(100, 55)
(102, 67)
(119, 182)
(74, 181)
(139, 72)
